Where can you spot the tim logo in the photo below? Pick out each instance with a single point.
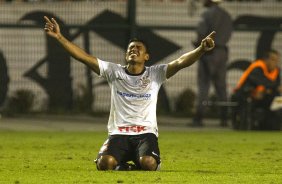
(132, 128)
(143, 82)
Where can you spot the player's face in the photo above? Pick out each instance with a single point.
(273, 61)
(136, 52)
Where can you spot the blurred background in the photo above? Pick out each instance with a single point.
(37, 76)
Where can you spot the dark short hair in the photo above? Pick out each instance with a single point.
(141, 41)
(267, 53)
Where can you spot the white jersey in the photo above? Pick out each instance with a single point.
(133, 98)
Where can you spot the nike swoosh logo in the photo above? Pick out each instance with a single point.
(155, 154)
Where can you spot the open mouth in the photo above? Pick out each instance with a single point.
(134, 54)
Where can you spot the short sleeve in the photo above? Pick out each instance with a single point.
(160, 72)
(106, 69)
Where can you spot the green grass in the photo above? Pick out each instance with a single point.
(187, 157)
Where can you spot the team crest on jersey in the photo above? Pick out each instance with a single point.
(144, 82)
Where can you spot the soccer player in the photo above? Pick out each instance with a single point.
(132, 125)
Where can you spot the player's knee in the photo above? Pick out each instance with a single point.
(106, 162)
(148, 163)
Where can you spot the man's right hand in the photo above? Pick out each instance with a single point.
(207, 43)
(52, 28)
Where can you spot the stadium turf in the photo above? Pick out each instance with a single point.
(187, 157)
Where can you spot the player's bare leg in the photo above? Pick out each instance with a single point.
(106, 162)
(148, 163)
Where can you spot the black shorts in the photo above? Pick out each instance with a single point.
(126, 148)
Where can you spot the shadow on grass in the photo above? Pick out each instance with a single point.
(192, 171)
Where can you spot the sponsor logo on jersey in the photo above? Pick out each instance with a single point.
(135, 128)
(131, 95)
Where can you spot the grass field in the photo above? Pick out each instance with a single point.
(187, 157)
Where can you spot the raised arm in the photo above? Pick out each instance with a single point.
(52, 29)
(191, 57)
